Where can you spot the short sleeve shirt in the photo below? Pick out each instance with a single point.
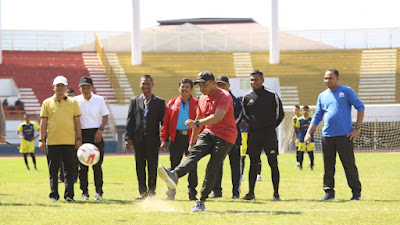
(92, 111)
(60, 120)
(28, 130)
(208, 104)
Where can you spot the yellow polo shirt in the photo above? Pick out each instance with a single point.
(60, 120)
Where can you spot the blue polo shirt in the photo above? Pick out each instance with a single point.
(335, 108)
(183, 116)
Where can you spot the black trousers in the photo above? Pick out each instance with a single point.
(234, 159)
(257, 141)
(207, 143)
(56, 155)
(344, 146)
(146, 153)
(176, 151)
(88, 137)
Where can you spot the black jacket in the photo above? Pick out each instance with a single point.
(134, 124)
(262, 109)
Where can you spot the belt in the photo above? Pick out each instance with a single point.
(182, 132)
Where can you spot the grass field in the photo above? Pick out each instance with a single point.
(24, 196)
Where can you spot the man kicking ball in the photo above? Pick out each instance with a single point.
(215, 112)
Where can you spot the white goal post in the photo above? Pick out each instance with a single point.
(380, 130)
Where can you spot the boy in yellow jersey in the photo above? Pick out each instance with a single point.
(295, 133)
(302, 125)
(28, 139)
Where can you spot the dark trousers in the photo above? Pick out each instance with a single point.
(26, 159)
(88, 137)
(207, 143)
(61, 154)
(176, 151)
(256, 142)
(234, 159)
(344, 146)
(146, 153)
(300, 157)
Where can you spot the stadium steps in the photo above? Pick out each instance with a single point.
(121, 76)
(243, 64)
(98, 75)
(289, 95)
(377, 83)
(31, 102)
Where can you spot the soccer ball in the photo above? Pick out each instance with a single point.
(88, 154)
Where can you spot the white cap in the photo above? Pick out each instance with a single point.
(60, 80)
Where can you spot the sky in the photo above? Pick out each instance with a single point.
(116, 15)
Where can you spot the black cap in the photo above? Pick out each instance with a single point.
(222, 79)
(204, 76)
(86, 81)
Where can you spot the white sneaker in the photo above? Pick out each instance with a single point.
(98, 197)
(259, 177)
(85, 197)
(199, 207)
(242, 178)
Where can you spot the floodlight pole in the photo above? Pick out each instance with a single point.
(274, 34)
(136, 43)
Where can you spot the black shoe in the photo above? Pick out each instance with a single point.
(216, 195)
(276, 197)
(151, 194)
(249, 197)
(69, 200)
(141, 197)
(355, 198)
(235, 196)
(328, 196)
(192, 197)
(311, 167)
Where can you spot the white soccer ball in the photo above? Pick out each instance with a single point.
(88, 154)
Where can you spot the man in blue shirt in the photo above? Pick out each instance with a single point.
(334, 106)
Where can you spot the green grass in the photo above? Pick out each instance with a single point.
(24, 196)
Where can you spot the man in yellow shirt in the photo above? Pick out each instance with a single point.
(60, 121)
(28, 139)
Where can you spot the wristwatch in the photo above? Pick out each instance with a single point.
(197, 123)
(41, 139)
(357, 126)
(101, 128)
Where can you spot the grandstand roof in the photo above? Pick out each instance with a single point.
(206, 21)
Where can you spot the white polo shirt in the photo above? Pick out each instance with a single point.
(92, 111)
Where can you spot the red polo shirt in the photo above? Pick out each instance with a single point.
(226, 128)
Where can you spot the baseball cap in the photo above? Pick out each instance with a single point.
(60, 80)
(222, 79)
(204, 76)
(85, 81)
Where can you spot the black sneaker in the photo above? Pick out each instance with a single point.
(216, 195)
(355, 198)
(311, 167)
(276, 197)
(328, 196)
(167, 176)
(69, 200)
(249, 197)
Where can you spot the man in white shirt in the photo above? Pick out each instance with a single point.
(94, 117)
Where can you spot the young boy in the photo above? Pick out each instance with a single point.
(302, 125)
(28, 139)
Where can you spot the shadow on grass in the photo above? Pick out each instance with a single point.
(257, 212)
(107, 201)
(23, 204)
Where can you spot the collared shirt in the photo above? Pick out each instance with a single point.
(226, 128)
(334, 107)
(92, 110)
(183, 116)
(146, 102)
(60, 120)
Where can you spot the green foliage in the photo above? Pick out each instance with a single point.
(24, 196)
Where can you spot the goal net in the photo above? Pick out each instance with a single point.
(380, 130)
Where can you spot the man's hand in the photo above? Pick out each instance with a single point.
(98, 136)
(354, 134)
(190, 123)
(291, 141)
(307, 138)
(2, 138)
(78, 144)
(128, 144)
(42, 145)
(164, 145)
